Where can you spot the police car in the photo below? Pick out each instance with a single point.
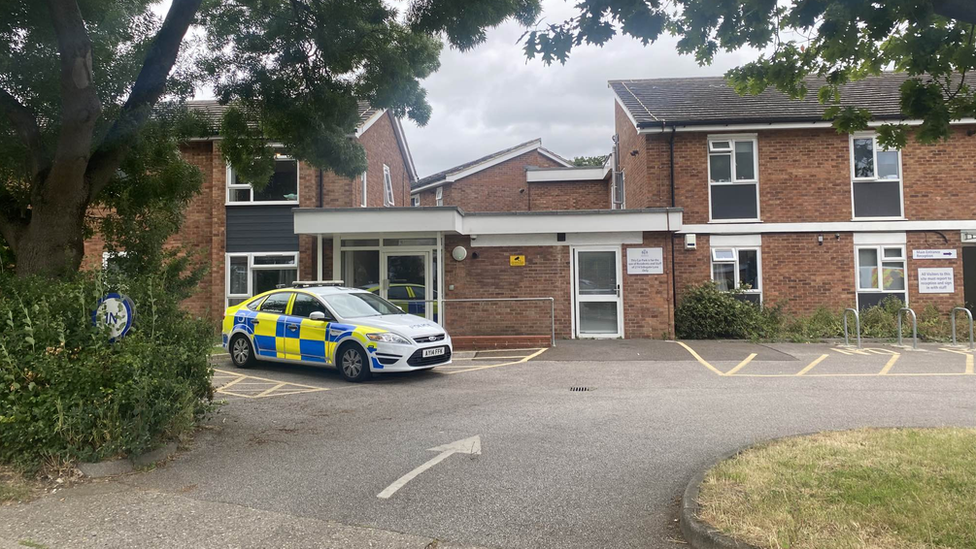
(326, 323)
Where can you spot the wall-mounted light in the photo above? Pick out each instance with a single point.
(634, 152)
(820, 239)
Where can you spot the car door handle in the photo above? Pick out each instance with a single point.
(256, 321)
(292, 327)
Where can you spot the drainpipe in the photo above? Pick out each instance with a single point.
(674, 285)
(320, 188)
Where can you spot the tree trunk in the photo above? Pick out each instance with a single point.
(53, 244)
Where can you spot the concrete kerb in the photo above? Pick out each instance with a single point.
(122, 466)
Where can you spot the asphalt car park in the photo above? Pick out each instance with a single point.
(585, 444)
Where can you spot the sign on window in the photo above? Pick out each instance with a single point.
(645, 261)
(936, 281)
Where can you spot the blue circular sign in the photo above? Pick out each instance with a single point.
(115, 311)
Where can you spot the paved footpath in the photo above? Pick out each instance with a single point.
(297, 458)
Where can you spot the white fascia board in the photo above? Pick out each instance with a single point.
(376, 220)
(785, 126)
(829, 227)
(563, 222)
(369, 122)
(554, 157)
(452, 177)
(624, 107)
(568, 174)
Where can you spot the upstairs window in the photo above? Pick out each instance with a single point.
(733, 178)
(415, 201)
(362, 202)
(387, 187)
(876, 179)
(439, 196)
(737, 269)
(282, 188)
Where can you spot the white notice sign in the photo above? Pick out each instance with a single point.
(933, 254)
(936, 281)
(642, 261)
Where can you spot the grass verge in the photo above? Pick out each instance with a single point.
(868, 488)
(13, 488)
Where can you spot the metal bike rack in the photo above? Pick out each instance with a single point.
(914, 326)
(857, 327)
(969, 315)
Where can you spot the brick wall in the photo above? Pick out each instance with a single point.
(500, 188)
(569, 195)
(382, 148)
(634, 166)
(648, 307)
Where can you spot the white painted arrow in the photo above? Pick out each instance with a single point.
(470, 445)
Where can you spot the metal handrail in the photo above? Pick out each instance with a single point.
(443, 317)
(969, 314)
(857, 326)
(914, 326)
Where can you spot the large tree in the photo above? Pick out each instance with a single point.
(90, 90)
(836, 40)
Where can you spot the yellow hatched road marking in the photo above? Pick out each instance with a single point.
(812, 364)
(741, 364)
(269, 391)
(700, 359)
(889, 364)
(524, 360)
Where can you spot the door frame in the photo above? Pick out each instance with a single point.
(385, 253)
(576, 299)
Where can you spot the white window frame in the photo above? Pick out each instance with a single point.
(735, 266)
(879, 249)
(363, 200)
(732, 139)
(251, 201)
(855, 180)
(439, 196)
(251, 267)
(388, 199)
(415, 201)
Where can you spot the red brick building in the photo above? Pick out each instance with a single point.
(702, 184)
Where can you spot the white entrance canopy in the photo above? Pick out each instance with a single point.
(449, 219)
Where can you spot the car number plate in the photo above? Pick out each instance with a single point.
(437, 351)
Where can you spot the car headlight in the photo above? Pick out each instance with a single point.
(388, 337)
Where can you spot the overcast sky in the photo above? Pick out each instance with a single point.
(490, 98)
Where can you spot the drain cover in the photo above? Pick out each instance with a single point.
(580, 389)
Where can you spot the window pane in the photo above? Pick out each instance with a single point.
(720, 255)
(387, 187)
(231, 301)
(867, 275)
(361, 269)
(720, 145)
(864, 157)
(745, 168)
(269, 279)
(597, 273)
(877, 199)
(887, 164)
(749, 268)
(274, 260)
(598, 317)
(361, 242)
(724, 275)
(305, 305)
(276, 303)
(409, 241)
(283, 185)
(892, 253)
(240, 195)
(721, 167)
(894, 275)
(238, 276)
(398, 292)
(734, 201)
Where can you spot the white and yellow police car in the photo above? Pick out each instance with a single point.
(324, 323)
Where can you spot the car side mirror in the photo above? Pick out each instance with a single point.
(316, 315)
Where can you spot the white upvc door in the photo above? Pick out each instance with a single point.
(597, 292)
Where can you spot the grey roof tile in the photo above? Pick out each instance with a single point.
(461, 167)
(710, 100)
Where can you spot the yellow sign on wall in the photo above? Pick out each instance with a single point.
(516, 260)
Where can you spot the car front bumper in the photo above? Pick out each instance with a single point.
(393, 357)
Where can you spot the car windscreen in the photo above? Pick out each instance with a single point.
(361, 304)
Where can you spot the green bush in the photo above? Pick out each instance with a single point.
(705, 312)
(67, 393)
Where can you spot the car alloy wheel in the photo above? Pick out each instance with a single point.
(241, 351)
(352, 363)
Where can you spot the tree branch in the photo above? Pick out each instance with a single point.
(148, 88)
(960, 10)
(25, 124)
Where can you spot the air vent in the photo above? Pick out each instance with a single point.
(580, 389)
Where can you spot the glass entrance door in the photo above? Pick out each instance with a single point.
(597, 276)
(405, 281)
